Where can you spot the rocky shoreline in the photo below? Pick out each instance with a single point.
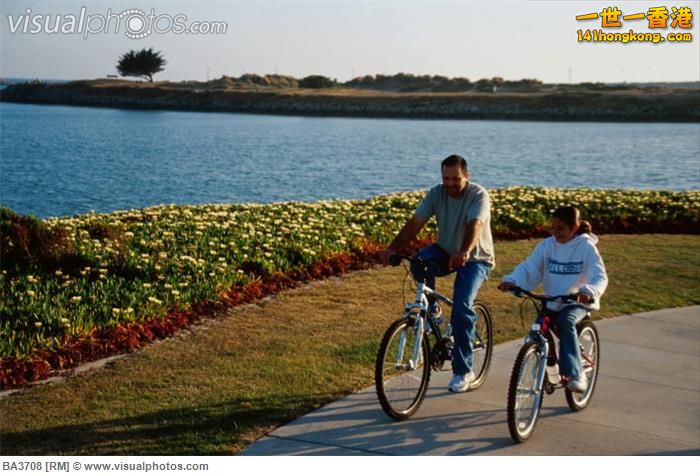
(637, 105)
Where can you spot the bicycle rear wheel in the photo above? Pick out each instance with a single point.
(482, 345)
(401, 384)
(524, 400)
(590, 356)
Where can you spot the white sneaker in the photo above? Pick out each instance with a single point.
(460, 383)
(579, 384)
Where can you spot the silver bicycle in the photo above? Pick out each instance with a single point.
(421, 341)
(536, 368)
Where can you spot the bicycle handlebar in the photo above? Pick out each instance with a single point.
(563, 298)
(395, 259)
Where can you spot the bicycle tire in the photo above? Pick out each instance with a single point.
(481, 365)
(397, 390)
(519, 430)
(589, 341)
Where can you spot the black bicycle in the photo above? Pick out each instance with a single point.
(408, 353)
(536, 368)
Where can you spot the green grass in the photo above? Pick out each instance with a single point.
(214, 389)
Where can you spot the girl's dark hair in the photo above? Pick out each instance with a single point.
(571, 216)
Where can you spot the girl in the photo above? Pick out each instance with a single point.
(568, 262)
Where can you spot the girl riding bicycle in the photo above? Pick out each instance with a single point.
(568, 262)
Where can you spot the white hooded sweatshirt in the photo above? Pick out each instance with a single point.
(572, 267)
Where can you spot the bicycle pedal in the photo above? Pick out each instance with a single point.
(549, 388)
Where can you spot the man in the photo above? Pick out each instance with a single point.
(464, 246)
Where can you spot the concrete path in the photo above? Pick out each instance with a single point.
(647, 402)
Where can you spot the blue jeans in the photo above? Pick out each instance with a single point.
(569, 351)
(469, 279)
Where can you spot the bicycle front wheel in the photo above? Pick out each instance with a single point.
(590, 356)
(401, 383)
(524, 399)
(482, 345)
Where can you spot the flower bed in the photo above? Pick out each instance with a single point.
(75, 289)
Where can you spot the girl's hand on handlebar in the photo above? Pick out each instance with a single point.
(583, 298)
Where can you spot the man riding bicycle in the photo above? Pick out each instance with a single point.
(464, 246)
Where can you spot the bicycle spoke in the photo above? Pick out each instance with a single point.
(527, 391)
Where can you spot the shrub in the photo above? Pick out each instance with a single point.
(27, 242)
(317, 82)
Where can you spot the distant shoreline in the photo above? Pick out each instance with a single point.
(632, 105)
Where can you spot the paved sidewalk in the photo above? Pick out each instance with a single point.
(647, 402)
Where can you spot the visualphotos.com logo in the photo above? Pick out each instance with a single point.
(133, 22)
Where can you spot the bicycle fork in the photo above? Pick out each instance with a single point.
(419, 327)
(543, 352)
(420, 305)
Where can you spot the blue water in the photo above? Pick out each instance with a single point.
(58, 160)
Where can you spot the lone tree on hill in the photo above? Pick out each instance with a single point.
(317, 82)
(143, 63)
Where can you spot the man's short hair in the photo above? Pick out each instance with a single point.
(453, 160)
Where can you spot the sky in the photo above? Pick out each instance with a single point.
(343, 39)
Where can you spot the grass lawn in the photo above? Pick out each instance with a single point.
(216, 388)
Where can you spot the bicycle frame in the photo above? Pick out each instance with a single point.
(541, 331)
